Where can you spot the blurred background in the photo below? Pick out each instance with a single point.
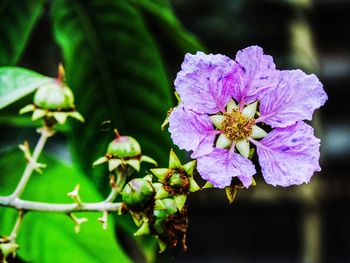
(121, 57)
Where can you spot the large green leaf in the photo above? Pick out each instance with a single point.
(17, 19)
(51, 237)
(15, 83)
(114, 67)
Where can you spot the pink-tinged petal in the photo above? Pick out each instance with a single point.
(296, 97)
(221, 165)
(191, 131)
(204, 83)
(257, 75)
(289, 156)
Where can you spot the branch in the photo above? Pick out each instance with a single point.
(58, 208)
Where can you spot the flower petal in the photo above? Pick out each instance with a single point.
(204, 82)
(191, 131)
(289, 156)
(295, 99)
(221, 165)
(257, 74)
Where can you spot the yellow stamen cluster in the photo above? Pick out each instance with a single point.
(236, 126)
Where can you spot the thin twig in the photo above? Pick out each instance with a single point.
(117, 186)
(45, 133)
(16, 227)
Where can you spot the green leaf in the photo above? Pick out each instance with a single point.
(15, 83)
(50, 237)
(17, 20)
(161, 12)
(116, 72)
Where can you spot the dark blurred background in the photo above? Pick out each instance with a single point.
(308, 223)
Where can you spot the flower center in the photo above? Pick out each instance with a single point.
(236, 126)
(176, 182)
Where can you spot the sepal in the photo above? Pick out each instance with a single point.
(189, 167)
(27, 108)
(100, 160)
(161, 193)
(231, 193)
(162, 245)
(147, 159)
(208, 185)
(37, 114)
(134, 163)
(174, 161)
(160, 173)
(144, 229)
(194, 187)
(180, 201)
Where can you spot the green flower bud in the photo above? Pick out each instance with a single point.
(164, 207)
(138, 194)
(55, 97)
(176, 179)
(123, 147)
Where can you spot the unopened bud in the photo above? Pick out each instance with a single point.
(138, 194)
(164, 207)
(55, 97)
(124, 146)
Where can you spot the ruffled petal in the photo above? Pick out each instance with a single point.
(191, 131)
(204, 83)
(296, 97)
(289, 156)
(221, 165)
(257, 74)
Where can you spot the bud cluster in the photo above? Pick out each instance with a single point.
(156, 202)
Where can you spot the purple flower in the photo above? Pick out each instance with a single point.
(229, 105)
